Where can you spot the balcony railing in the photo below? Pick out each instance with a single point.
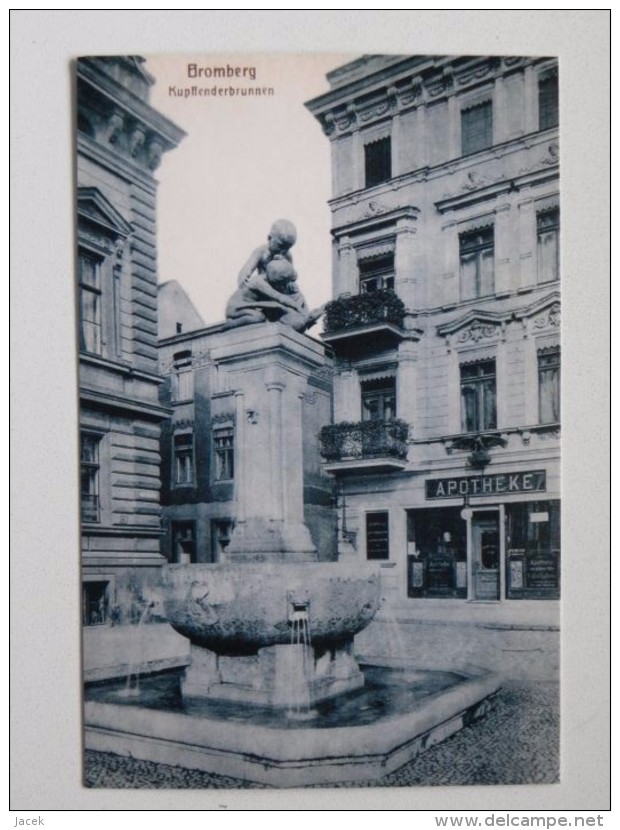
(364, 440)
(89, 508)
(347, 313)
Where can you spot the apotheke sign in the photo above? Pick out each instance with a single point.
(534, 481)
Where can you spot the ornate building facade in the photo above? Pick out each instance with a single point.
(445, 325)
(120, 141)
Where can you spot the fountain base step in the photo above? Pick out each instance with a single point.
(289, 676)
(358, 744)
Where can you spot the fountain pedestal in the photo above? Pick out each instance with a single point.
(287, 676)
(267, 368)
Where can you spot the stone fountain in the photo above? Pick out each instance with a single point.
(272, 627)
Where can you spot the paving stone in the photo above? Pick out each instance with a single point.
(516, 743)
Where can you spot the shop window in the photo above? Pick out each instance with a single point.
(89, 477)
(379, 399)
(95, 602)
(224, 450)
(477, 263)
(476, 128)
(548, 111)
(376, 274)
(183, 464)
(548, 245)
(478, 396)
(377, 535)
(549, 386)
(221, 533)
(89, 279)
(378, 161)
(436, 554)
(183, 539)
(533, 550)
(182, 377)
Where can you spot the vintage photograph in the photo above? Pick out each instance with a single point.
(319, 383)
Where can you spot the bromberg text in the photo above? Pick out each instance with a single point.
(228, 71)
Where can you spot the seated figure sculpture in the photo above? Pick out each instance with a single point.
(267, 285)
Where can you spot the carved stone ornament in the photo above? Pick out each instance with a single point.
(550, 319)
(223, 418)
(202, 358)
(476, 332)
(553, 155)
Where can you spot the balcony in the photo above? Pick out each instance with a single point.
(375, 317)
(365, 446)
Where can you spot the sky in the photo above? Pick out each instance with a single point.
(245, 162)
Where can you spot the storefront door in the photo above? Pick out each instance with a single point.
(486, 556)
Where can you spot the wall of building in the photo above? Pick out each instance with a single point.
(120, 139)
(438, 195)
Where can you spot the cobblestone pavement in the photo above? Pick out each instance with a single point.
(517, 743)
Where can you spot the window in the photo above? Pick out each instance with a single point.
(376, 273)
(377, 536)
(221, 533)
(476, 253)
(549, 386)
(224, 449)
(436, 553)
(89, 278)
(183, 537)
(533, 550)
(182, 387)
(183, 451)
(478, 410)
(548, 245)
(378, 161)
(89, 477)
(95, 602)
(379, 399)
(548, 101)
(476, 128)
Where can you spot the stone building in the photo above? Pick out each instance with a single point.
(227, 398)
(445, 325)
(120, 141)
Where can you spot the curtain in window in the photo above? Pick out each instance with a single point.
(549, 388)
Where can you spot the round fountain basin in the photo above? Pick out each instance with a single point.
(239, 608)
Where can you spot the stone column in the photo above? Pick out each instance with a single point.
(500, 114)
(504, 242)
(527, 243)
(348, 273)
(420, 137)
(530, 89)
(239, 455)
(407, 381)
(404, 254)
(454, 128)
(275, 387)
(448, 288)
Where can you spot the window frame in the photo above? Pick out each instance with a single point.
(93, 468)
(553, 232)
(182, 378)
(384, 553)
(554, 355)
(379, 269)
(548, 99)
(467, 133)
(95, 290)
(381, 390)
(223, 456)
(480, 385)
(377, 161)
(183, 451)
(479, 251)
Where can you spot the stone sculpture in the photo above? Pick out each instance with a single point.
(267, 285)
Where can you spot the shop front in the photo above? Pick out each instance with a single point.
(502, 542)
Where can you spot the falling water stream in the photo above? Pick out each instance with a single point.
(132, 689)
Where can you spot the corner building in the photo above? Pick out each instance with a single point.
(120, 142)
(445, 326)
